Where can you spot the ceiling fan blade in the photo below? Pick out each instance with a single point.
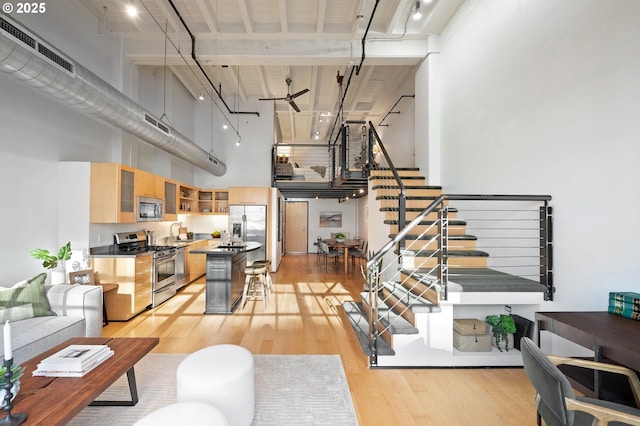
(272, 99)
(294, 106)
(302, 92)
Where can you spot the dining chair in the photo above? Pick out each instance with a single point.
(556, 402)
(328, 252)
(359, 253)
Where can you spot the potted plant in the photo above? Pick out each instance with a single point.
(502, 326)
(339, 237)
(54, 262)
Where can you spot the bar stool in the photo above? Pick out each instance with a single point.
(255, 283)
(267, 275)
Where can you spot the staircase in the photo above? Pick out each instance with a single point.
(408, 321)
(444, 256)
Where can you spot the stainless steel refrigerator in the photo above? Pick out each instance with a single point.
(249, 222)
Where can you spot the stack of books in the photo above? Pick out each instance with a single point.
(625, 304)
(73, 361)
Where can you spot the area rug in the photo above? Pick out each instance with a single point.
(290, 390)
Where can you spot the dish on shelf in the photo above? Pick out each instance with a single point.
(206, 210)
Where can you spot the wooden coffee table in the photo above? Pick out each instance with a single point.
(57, 400)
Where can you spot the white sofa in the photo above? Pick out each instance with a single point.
(78, 311)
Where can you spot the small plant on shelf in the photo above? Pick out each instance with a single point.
(501, 326)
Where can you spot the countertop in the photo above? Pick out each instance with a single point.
(113, 251)
(215, 250)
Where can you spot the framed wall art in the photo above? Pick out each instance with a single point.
(330, 219)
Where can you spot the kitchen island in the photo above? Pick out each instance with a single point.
(225, 276)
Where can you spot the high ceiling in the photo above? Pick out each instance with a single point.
(248, 48)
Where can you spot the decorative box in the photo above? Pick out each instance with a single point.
(470, 326)
(472, 342)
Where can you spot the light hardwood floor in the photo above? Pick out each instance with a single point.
(302, 319)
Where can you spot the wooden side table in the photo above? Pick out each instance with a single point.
(106, 287)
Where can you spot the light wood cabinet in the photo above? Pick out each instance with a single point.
(195, 263)
(133, 276)
(170, 200)
(248, 195)
(149, 185)
(188, 199)
(211, 201)
(112, 195)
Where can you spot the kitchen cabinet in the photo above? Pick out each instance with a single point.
(188, 198)
(112, 196)
(170, 200)
(248, 195)
(225, 281)
(148, 185)
(195, 264)
(211, 201)
(133, 276)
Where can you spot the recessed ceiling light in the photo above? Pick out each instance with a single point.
(132, 10)
(225, 126)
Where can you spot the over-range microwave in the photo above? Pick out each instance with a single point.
(149, 209)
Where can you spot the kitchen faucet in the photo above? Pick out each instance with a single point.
(171, 231)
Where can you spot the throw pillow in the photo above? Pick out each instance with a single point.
(32, 292)
(17, 313)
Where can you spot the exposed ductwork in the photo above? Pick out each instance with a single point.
(30, 60)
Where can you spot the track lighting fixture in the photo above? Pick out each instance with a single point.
(201, 97)
(225, 126)
(417, 14)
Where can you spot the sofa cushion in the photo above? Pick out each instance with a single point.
(31, 292)
(17, 313)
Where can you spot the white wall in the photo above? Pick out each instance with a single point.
(349, 218)
(540, 97)
(37, 133)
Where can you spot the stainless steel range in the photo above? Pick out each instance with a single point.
(163, 280)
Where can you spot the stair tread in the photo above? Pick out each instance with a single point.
(426, 237)
(453, 253)
(454, 222)
(391, 319)
(408, 197)
(431, 188)
(417, 304)
(391, 177)
(360, 325)
(412, 209)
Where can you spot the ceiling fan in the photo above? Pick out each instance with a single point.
(289, 98)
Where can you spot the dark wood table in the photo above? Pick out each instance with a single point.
(611, 337)
(344, 245)
(57, 400)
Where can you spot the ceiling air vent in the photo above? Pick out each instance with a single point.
(212, 160)
(157, 124)
(150, 120)
(27, 39)
(54, 57)
(17, 33)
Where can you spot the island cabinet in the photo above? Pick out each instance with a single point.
(225, 281)
(133, 276)
(112, 196)
(195, 263)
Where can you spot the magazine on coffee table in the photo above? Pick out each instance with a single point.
(73, 361)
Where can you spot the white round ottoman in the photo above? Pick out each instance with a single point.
(220, 375)
(185, 413)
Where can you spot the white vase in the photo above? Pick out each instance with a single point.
(59, 275)
(503, 345)
(14, 390)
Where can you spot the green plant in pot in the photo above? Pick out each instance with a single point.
(54, 261)
(339, 236)
(501, 326)
(49, 260)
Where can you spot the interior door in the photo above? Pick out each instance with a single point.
(296, 229)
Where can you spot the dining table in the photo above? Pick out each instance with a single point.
(345, 245)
